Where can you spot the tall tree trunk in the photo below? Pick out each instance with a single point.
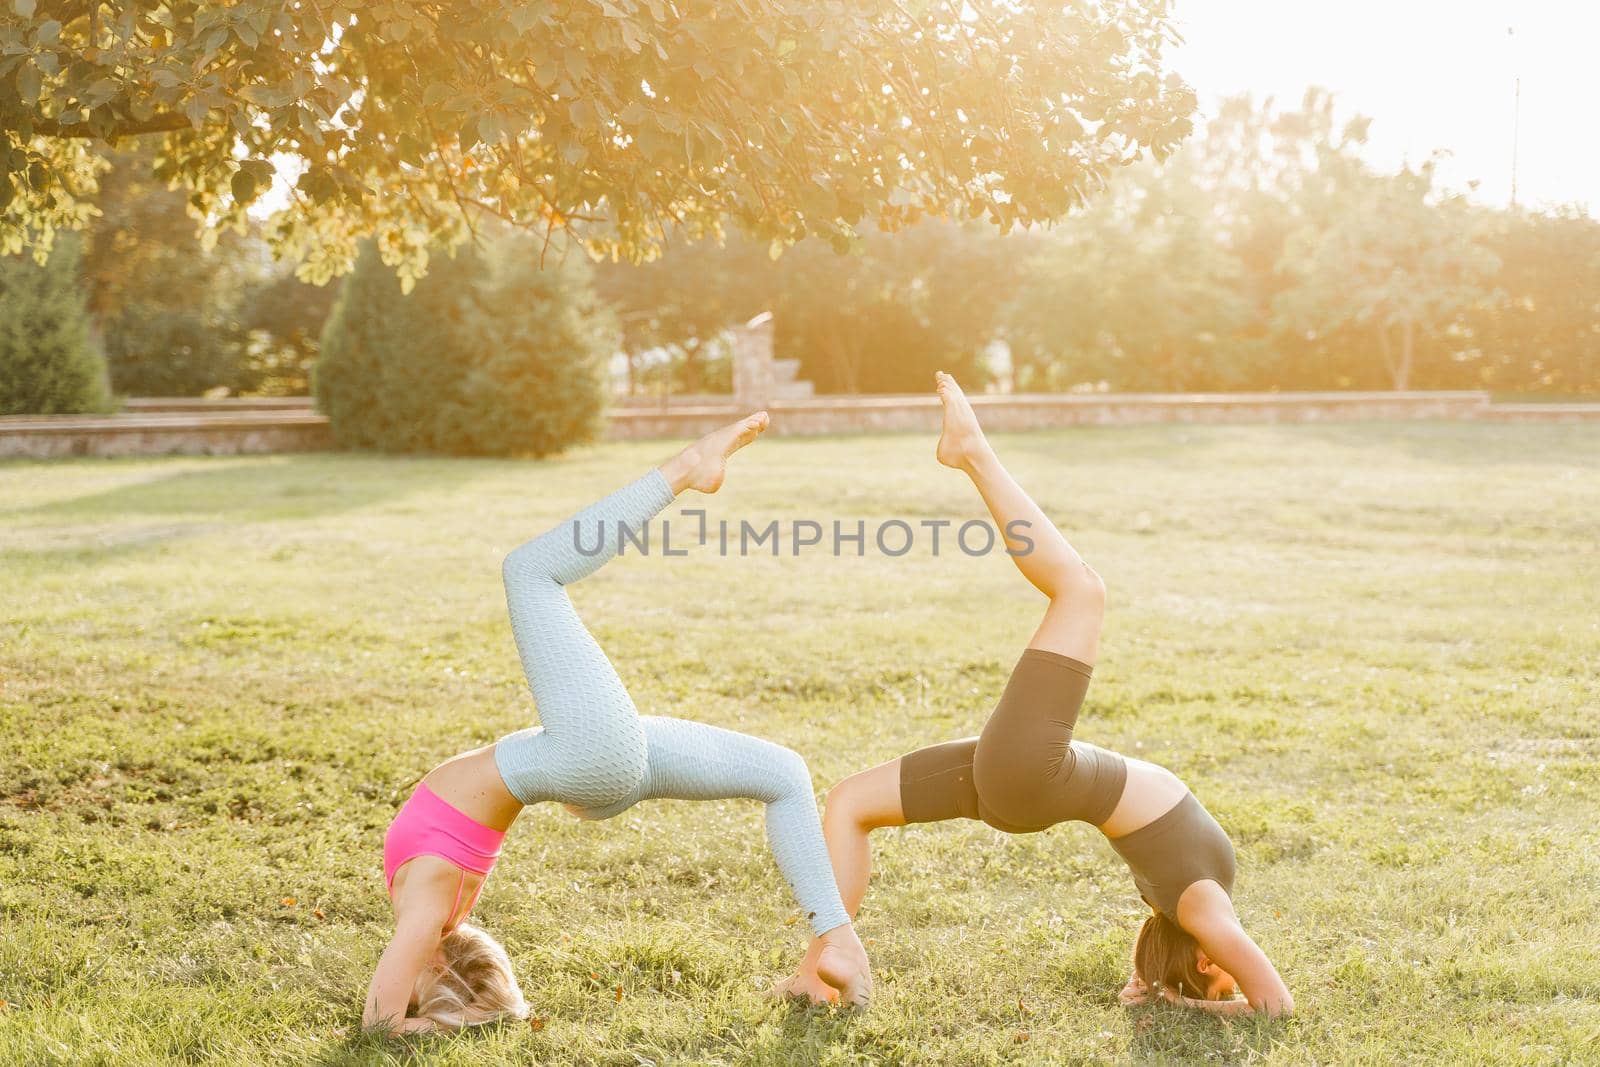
(1408, 345)
(1388, 353)
(841, 356)
(691, 367)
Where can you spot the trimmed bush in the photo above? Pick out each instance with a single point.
(488, 355)
(47, 363)
(168, 347)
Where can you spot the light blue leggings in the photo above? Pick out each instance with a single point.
(596, 754)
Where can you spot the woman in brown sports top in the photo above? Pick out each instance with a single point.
(1025, 773)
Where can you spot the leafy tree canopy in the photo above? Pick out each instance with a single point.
(612, 118)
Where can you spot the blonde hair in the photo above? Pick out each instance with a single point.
(474, 986)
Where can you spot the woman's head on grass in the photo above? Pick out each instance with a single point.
(469, 981)
(1166, 956)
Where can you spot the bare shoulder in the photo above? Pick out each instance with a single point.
(1205, 905)
(425, 887)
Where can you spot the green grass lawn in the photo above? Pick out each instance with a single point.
(1370, 649)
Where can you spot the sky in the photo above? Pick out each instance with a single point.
(1432, 74)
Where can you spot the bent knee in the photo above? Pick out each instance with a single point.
(790, 773)
(849, 804)
(1077, 588)
(1085, 585)
(521, 564)
(531, 559)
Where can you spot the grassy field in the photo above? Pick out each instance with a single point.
(1371, 650)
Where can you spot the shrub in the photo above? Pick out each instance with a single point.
(538, 386)
(281, 319)
(47, 363)
(488, 355)
(164, 347)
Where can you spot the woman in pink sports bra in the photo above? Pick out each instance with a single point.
(436, 857)
(596, 755)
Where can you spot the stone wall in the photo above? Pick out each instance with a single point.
(295, 427)
(1541, 413)
(201, 434)
(890, 414)
(232, 405)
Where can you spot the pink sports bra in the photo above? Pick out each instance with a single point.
(430, 826)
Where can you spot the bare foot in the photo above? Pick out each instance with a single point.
(704, 464)
(807, 984)
(843, 965)
(961, 442)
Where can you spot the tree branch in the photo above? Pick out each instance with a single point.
(162, 123)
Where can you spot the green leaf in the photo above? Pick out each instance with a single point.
(49, 32)
(100, 90)
(23, 7)
(28, 83)
(243, 185)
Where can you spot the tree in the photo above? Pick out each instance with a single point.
(409, 119)
(680, 305)
(1168, 280)
(1543, 337)
(1266, 253)
(1388, 258)
(164, 305)
(281, 319)
(908, 304)
(388, 358)
(540, 384)
(490, 355)
(881, 319)
(47, 363)
(1142, 291)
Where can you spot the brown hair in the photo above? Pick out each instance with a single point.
(475, 985)
(1166, 956)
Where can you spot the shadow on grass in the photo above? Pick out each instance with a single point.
(1163, 1033)
(1466, 444)
(359, 1046)
(296, 487)
(805, 1034)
